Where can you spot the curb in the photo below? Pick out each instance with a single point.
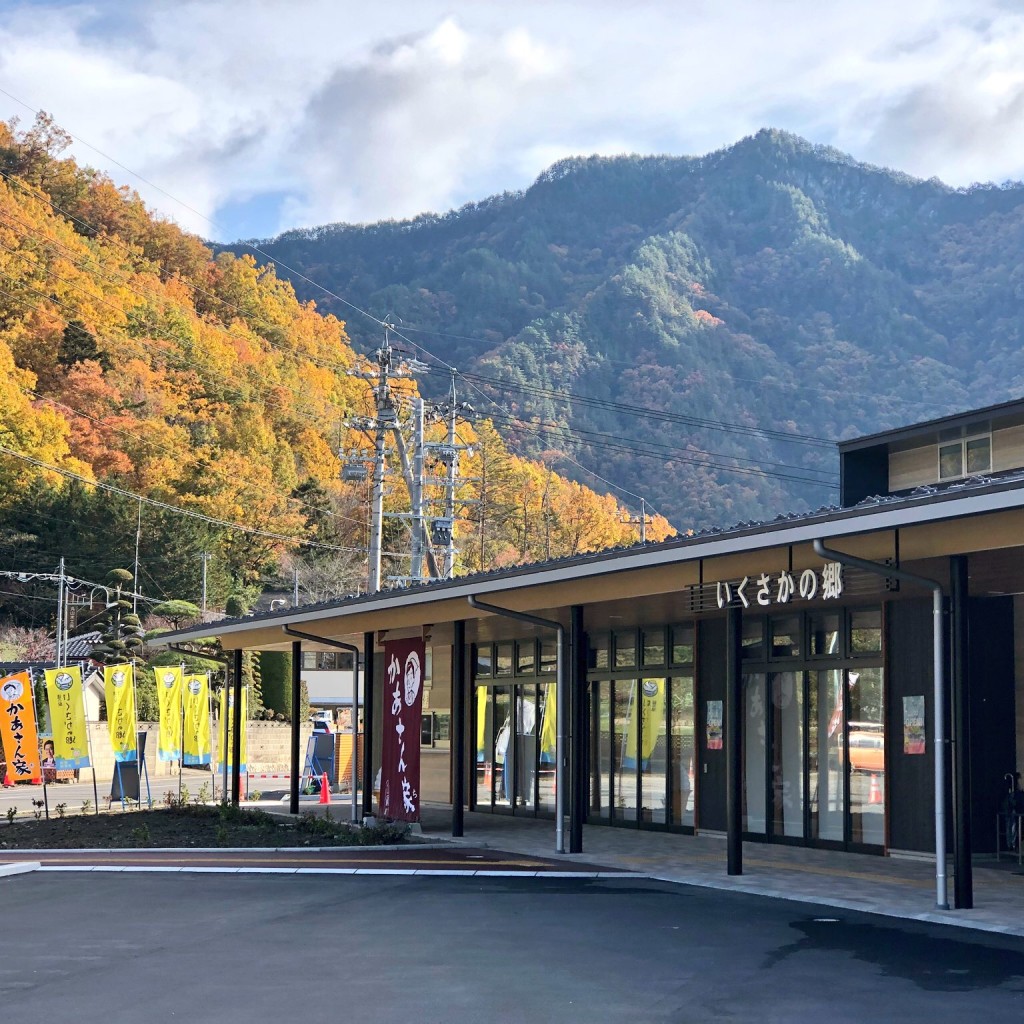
(19, 868)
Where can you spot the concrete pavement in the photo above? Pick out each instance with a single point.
(895, 887)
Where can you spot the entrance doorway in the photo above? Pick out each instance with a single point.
(515, 748)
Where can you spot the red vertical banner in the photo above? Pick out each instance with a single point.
(404, 661)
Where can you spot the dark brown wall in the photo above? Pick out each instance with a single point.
(710, 686)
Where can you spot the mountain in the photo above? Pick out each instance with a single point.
(696, 329)
(165, 409)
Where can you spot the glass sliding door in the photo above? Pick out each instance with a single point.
(624, 761)
(601, 751)
(484, 749)
(682, 767)
(526, 746)
(546, 741)
(651, 734)
(866, 756)
(787, 754)
(826, 754)
(755, 795)
(504, 747)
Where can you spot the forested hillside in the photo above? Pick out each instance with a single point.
(159, 403)
(695, 328)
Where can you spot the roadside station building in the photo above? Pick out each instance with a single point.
(847, 678)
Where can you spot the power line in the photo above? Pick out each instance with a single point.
(668, 453)
(379, 322)
(253, 531)
(660, 414)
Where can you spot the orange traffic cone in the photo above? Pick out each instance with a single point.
(7, 782)
(875, 792)
(325, 790)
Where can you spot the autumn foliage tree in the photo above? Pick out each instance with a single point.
(163, 404)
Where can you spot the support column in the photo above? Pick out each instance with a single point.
(236, 725)
(734, 740)
(459, 737)
(963, 874)
(296, 767)
(579, 732)
(368, 712)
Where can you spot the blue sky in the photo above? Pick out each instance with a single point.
(247, 118)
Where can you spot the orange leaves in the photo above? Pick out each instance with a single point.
(98, 424)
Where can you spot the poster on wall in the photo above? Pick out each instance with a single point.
(714, 727)
(913, 725)
(400, 748)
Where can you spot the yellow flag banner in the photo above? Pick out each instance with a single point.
(168, 693)
(548, 726)
(119, 689)
(196, 738)
(18, 732)
(651, 708)
(66, 697)
(481, 723)
(226, 733)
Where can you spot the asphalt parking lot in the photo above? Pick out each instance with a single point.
(161, 948)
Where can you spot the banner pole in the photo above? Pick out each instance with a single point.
(222, 745)
(135, 709)
(181, 731)
(88, 743)
(209, 732)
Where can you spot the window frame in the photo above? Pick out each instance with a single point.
(963, 442)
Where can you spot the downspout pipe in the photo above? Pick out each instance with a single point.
(561, 707)
(880, 569)
(355, 704)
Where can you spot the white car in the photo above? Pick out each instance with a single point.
(323, 721)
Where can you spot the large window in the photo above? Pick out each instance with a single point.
(814, 733)
(965, 455)
(642, 745)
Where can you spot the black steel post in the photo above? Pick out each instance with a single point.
(293, 791)
(734, 740)
(368, 713)
(963, 874)
(236, 725)
(578, 727)
(459, 735)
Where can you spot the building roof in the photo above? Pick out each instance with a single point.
(969, 497)
(1001, 412)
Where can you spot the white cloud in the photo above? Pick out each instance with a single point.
(359, 111)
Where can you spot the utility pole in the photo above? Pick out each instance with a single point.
(61, 612)
(383, 422)
(295, 588)
(442, 528)
(416, 568)
(205, 556)
(453, 472)
(640, 521)
(385, 409)
(135, 579)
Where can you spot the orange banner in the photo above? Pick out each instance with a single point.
(18, 728)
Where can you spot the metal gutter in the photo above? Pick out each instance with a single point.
(879, 569)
